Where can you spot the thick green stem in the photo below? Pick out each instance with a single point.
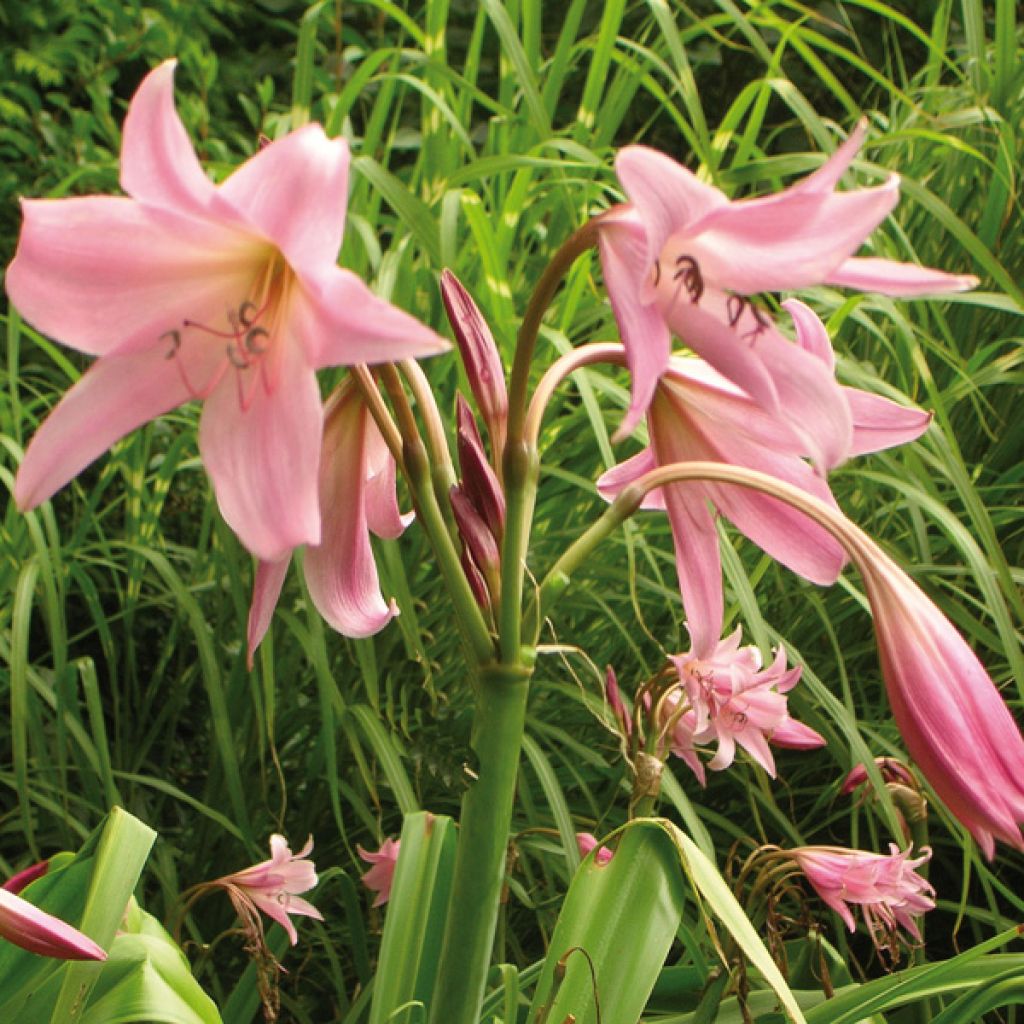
(485, 825)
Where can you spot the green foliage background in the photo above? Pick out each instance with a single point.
(482, 135)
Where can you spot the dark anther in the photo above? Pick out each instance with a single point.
(657, 273)
(761, 321)
(175, 337)
(237, 359)
(688, 271)
(251, 342)
(734, 308)
(245, 311)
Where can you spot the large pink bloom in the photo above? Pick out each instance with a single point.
(33, 929)
(886, 887)
(228, 293)
(272, 886)
(729, 698)
(698, 415)
(681, 257)
(357, 495)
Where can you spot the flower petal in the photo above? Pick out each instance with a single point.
(341, 323)
(340, 572)
(610, 483)
(266, 589)
(879, 423)
(893, 278)
(264, 189)
(811, 334)
(383, 515)
(114, 396)
(102, 274)
(262, 452)
(33, 929)
(158, 164)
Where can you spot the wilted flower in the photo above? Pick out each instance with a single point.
(272, 886)
(727, 697)
(186, 290)
(886, 887)
(357, 495)
(25, 925)
(682, 257)
(382, 873)
(586, 841)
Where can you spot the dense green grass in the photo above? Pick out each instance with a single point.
(483, 134)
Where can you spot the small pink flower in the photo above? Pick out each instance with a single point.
(273, 886)
(382, 873)
(730, 699)
(886, 887)
(586, 841)
(226, 293)
(891, 771)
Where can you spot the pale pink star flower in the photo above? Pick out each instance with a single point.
(682, 258)
(382, 871)
(357, 497)
(697, 415)
(226, 293)
(886, 887)
(273, 887)
(731, 699)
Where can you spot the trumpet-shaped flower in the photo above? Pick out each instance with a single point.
(682, 258)
(382, 869)
(886, 887)
(357, 495)
(272, 886)
(730, 698)
(186, 290)
(698, 415)
(33, 929)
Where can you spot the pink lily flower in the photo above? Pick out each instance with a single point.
(356, 495)
(681, 257)
(586, 841)
(954, 722)
(33, 929)
(272, 886)
(226, 293)
(886, 887)
(698, 415)
(382, 872)
(729, 698)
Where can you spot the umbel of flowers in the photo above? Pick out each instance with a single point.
(230, 294)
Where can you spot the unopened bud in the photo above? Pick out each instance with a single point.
(479, 480)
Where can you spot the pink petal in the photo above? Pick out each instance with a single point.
(827, 176)
(341, 323)
(266, 589)
(785, 241)
(33, 929)
(893, 278)
(622, 245)
(340, 572)
(306, 164)
(879, 423)
(158, 164)
(116, 395)
(276, 911)
(811, 334)
(103, 274)
(383, 515)
(610, 483)
(263, 453)
(794, 735)
(668, 196)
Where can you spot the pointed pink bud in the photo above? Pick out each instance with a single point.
(479, 356)
(26, 876)
(382, 871)
(479, 480)
(585, 842)
(475, 578)
(892, 771)
(611, 690)
(475, 532)
(25, 925)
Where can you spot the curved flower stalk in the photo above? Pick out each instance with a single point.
(382, 869)
(729, 698)
(185, 290)
(886, 887)
(356, 495)
(27, 926)
(955, 724)
(696, 414)
(272, 886)
(682, 258)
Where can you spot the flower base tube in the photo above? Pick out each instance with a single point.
(483, 840)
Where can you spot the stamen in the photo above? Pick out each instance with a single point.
(243, 313)
(237, 360)
(689, 273)
(251, 342)
(209, 330)
(657, 273)
(175, 337)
